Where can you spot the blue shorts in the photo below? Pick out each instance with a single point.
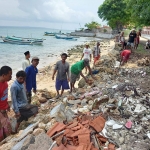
(62, 84)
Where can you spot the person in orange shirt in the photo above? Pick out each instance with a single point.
(5, 127)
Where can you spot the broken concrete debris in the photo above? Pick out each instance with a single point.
(110, 113)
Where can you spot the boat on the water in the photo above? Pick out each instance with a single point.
(22, 41)
(52, 33)
(49, 34)
(65, 37)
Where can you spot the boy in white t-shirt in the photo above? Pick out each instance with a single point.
(87, 53)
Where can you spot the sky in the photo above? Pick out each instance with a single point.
(56, 14)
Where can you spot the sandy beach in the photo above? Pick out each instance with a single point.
(44, 77)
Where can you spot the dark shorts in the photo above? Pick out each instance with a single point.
(62, 84)
(26, 112)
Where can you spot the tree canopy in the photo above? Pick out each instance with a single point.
(139, 12)
(92, 25)
(115, 12)
(119, 13)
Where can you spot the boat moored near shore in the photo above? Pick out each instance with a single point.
(22, 41)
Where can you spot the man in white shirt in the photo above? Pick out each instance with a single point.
(87, 54)
(26, 62)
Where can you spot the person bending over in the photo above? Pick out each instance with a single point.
(125, 54)
(76, 71)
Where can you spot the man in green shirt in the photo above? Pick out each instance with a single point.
(76, 71)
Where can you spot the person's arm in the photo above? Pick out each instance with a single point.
(27, 71)
(82, 56)
(55, 70)
(83, 76)
(93, 52)
(90, 71)
(13, 91)
(68, 73)
(34, 83)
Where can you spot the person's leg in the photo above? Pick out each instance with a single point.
(58, 85)
(65, 86)
(29, 97)
(86, 70)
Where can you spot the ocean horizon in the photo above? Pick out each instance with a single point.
(13, 54)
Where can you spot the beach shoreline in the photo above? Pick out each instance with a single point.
(44, 77)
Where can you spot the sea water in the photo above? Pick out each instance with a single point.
(13, 54)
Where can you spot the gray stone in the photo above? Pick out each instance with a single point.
(42, 142)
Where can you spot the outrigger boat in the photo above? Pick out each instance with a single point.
(22, 41)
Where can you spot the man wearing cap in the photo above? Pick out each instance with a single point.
(96, 52)
(26, 62)
(30, 83)
(62, 78)
(76, 71)
(87, 53)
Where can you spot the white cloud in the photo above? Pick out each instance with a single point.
(49, 11)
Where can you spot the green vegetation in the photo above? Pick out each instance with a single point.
(114, 11)
(92, 25)
(129, 13)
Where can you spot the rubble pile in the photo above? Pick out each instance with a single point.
(109, 113)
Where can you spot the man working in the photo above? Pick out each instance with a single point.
(125, 55)
(5, 127)
(62, 69)
(76, 71)
(87, 54)
(26, 62)
(96, 52)
(22, 109)
(31, 72)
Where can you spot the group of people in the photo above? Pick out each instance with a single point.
(25, 83)
(133, 40)
(20, 90)
(66, 75)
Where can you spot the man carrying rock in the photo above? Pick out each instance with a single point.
(26, 62)
(87, 53)
(62, 78)
(96, 52)
(76, 71)
(5, 127)
(22, 109)
(31, 72)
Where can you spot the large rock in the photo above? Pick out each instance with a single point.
(81, 83)
(38, 131)
(42, 142)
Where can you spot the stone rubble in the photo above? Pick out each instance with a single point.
(110, 113)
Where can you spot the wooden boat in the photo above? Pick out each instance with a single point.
(52, 33)
(61, 36)
(49, 34)
(22, 41)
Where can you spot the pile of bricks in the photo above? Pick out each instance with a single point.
(83, 133)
